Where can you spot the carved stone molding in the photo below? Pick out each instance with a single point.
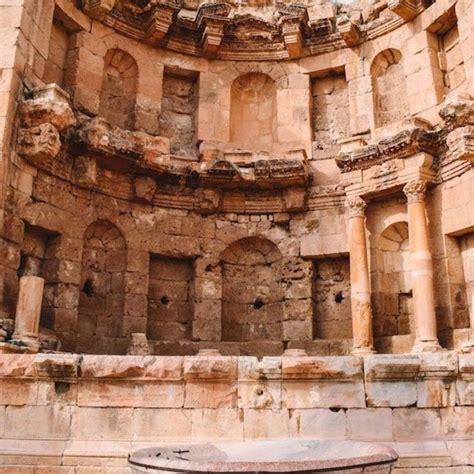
(404, 144)
(349, 30)
(461, 143)
(206, 28)
(406, 9)
(415, 191)
(39, 144)
(355, 206)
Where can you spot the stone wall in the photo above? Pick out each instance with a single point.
(332, 299)
(86, 414)
(178, 112)
(170, 303)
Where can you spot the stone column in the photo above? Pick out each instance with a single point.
(421, 269)
(360, 280)
(28, 311)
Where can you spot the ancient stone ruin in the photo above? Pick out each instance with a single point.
(235, 221)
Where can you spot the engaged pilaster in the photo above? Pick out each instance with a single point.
(421, 266)
(360, 282)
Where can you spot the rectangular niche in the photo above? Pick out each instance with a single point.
(170, 305)
(178, 111)
(37, 258)
(55, 67)
(331, 295)
(451, 59)
(330, 108)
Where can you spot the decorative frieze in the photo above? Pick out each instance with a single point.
(206, 27)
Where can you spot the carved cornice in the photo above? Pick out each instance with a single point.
(401, 145)
(415, 191)
(220, 29)
(355, 206)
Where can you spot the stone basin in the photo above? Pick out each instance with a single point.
(266, 456)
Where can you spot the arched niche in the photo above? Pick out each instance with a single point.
(252, 294)
(119, 89)
(102, 289)
(253, 112)
(393, 298)
(389, 88)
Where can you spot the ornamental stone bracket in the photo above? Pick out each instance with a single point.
(406, 9)
(159, 22)
(293, 27)
(211, 20)
(349, 30)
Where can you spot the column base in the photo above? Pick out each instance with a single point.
(361, 351)
(26, 340)
(431, 345)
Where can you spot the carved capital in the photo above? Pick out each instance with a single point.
(355, 206)
(415, 191)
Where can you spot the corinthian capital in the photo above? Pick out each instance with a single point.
(415, 190)
(355, 206)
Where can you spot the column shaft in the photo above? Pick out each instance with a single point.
(421, 269)
(28, 310)
(360, 280)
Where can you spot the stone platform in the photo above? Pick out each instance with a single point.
(67, 413)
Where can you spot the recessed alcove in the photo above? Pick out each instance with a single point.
(392, 295)
(101, 290)
(389, 88)
(119, 89)
(170, 306)
(331, 296)
(253, 112)
(179, 106)
(252, 293)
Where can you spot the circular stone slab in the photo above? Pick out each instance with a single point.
(265, 456)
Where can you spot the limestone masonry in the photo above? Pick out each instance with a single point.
(235, 220)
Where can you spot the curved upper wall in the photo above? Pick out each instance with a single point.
(253, 30)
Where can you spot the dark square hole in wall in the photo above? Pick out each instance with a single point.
(170, 305)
